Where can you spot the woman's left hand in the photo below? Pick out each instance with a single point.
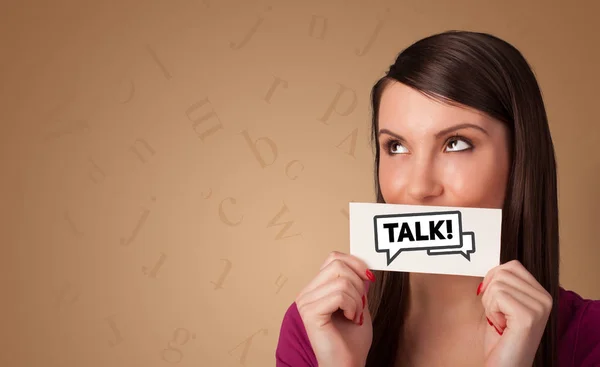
(517, 308)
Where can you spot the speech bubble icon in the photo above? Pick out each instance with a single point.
(437, 233)
(467, 248)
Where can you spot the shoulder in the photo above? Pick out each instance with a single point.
(293, 347)
(578, 329)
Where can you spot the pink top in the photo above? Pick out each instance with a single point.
(578, 331)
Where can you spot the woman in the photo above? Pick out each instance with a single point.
(458, 120)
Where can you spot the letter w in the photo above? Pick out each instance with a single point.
(286, 225)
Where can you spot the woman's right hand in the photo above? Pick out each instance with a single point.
(335, 312)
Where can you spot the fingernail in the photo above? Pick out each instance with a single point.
(364, 301)
(361, 319)
(479, 288)
(370, 275)
(491, 324)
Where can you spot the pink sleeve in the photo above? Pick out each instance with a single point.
(293, 347)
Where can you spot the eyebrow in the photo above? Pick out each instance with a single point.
(441, 132)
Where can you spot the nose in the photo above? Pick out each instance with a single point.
(423, 184)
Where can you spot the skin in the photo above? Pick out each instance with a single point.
(433, 154)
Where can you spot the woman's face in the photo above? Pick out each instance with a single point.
(436, 154)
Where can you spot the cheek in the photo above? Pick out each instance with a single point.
(391, 179)
(475, 185)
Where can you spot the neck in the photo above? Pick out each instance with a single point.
(440, 309)
(447, 299)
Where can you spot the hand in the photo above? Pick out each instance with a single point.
(335, 312)
(517, 308)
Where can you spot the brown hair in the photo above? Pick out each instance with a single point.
(486, 73)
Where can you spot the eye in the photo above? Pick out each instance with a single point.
(458, 144)
(394, 147)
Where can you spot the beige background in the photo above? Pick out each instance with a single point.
(174, 172)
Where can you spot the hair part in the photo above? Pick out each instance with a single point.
(488, 74)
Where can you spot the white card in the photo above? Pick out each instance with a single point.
(426, 239)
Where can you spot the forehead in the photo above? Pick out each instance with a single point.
(402, 107)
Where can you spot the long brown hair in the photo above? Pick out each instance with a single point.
(486, 73)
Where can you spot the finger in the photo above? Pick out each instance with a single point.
(353, 262)
(339, 284)
(319, 311)
(497, 321)
(505, 305)
(500, 286)
(335, 269)
(517, 269)
(506, 280)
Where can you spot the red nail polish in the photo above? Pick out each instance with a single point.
(361, 319)
(491, 324)
(364, 301)
(370, 275)
(479, 288)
